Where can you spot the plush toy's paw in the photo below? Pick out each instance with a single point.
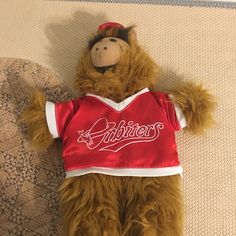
(34, 118)
(196, 103)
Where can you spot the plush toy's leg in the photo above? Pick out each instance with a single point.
(153, 207)
(90, 205)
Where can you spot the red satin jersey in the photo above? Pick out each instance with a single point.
(135, 137)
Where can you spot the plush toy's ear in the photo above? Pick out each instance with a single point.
(132, 35)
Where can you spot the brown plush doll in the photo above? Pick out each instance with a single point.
(122, 170)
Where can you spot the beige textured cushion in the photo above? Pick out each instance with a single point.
(196, 42)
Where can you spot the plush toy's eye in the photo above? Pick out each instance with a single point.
(113, 40)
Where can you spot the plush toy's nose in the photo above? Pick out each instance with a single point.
(105, 54)
(101, 48)
(101, 51)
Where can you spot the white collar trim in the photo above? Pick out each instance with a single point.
(121, 105)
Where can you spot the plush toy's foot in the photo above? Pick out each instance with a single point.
(153, 207)
(90, 205)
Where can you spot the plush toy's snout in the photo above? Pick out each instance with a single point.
(107, 52)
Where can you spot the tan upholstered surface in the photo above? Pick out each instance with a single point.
(197, 42)
(28, 180)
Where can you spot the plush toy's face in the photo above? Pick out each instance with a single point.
(107, 52)
(114, 65)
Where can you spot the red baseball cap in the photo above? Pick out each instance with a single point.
(108, 25)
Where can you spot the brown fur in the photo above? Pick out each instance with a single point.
(35, 120)
(197, 105)
(153, 206)
(102, 205)
(97, 205)
(90, 205)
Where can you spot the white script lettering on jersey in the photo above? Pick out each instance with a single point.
(112, 136)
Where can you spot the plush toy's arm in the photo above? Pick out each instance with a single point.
(197, 105)
(35, 119)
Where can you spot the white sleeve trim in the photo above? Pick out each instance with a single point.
(51, 119)
(179, 114)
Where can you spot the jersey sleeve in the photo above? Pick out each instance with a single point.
(58, 116)
(173, 112)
